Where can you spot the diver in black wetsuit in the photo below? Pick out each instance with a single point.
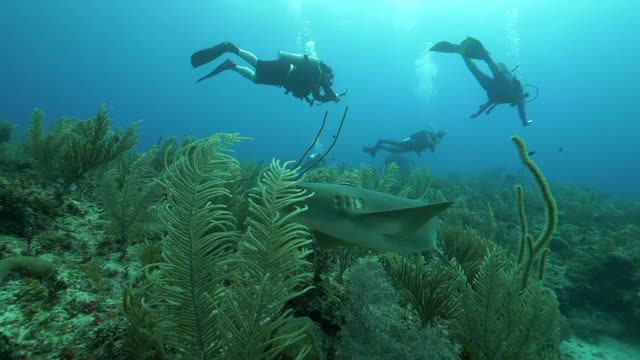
(502, 88)
(418, 142)
(301, 75)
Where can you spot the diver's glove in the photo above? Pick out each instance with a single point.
(338, 98)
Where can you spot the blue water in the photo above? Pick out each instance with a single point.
(68, 57)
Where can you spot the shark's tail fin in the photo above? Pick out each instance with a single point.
(370, 150)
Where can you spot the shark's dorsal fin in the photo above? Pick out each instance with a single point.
(415, 217)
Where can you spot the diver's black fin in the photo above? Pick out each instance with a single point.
(473, 49)
(206, 55)
(445, 47)
(226, 65)
(470, 48)
(370, 150)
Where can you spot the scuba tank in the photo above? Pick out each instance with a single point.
(296, 59)
(306, 75)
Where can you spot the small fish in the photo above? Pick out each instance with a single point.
(561, 148)
(531, 153)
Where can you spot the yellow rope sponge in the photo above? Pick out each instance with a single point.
(550, 212)
(523, 221)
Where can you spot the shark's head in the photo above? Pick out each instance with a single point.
(346, 215)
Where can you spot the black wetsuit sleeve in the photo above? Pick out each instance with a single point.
(495, 70)
(485, 80)
(521, 112)
(329, 94)
(482, 109)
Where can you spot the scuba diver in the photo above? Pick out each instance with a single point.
(418, 142)
(502, 88)
(301, 75)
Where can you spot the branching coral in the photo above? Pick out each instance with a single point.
(367, 177)
(46, 150)
(91, 144)
(500, 320)
(6, 128)
(201, 235)
(128, 188)
(417, 184)
(244, 178)
(467, 247)
(389, 180)
(433, 290)
(72, 148)
(219, 293)
(272, 270)
(5, 131)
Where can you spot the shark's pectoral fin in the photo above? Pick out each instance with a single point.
(411, 218)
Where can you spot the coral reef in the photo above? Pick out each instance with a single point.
(30, 265)
(155, 255)
(26, 208)
(377, 327)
